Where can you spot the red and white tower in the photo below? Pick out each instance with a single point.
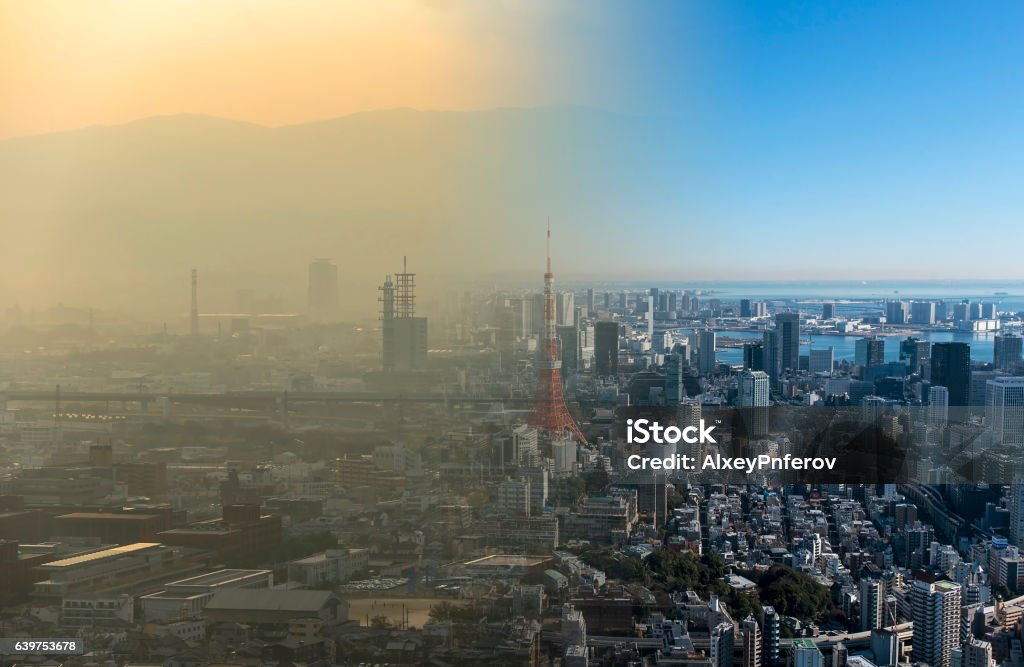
(551, 413)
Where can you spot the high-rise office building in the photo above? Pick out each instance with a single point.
(922, 312)
(591, 302)
(914, 353)
(753, 356)
(897, 312)
(828, 311)
(869, 351)
(1006, 351)
(1004, 409)
(705, 340)
(322, 294)
(935, 611)
(606, 348)
(951, 368)
(565, 309)
(821, 360)
(1017, 510)
(674, 364)
(938, 406)
(752, 399)
(745, 308)
(769, 343)
(569, 348)
(787, 332)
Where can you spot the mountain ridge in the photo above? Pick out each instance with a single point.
(116, 213)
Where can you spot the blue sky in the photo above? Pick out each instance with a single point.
(847, 138)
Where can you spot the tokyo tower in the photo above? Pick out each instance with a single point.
(551, 413)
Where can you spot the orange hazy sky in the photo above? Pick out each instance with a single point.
(67, 64)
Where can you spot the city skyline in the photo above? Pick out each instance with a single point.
(338, 333)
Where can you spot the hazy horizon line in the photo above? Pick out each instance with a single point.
(323, 119)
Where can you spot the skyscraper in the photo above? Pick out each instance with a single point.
(1017, 510)
(606, 348)
(770, 351)
(828, 311)
(1004, 409)
(951, 368)
(674, 392)
(787, 331)
(753, 356)
(569, 347)
(897, 312)
(914, 353)
(565, 309)
(922, 312)
(821, 360)
(869, 351)
(591, 302)
(935, 610)
(705, 351)
(752, 399)
(322, 294)
(938, 406)
(1006, 351)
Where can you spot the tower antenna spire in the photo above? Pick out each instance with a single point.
(549, 244)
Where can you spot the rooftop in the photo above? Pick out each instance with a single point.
(265, 599)
(107, 516)
(217, 578)
(508, 560)
(115, 552)
(805, 643)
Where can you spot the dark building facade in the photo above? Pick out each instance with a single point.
(753, 356)
(606, 348)
(951, 368)
(787, 332)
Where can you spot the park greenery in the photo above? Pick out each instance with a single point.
(790, 592)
